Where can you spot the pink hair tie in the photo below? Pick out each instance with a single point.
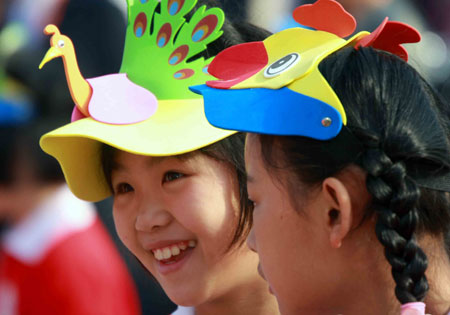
(414, 308)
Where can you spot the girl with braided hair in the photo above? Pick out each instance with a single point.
(348, 165)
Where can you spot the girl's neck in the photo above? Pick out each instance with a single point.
(367, 287)
(373, 292)
(250, 299)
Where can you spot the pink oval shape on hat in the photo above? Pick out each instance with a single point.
(118, 101)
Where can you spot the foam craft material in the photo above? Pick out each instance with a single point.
(313, 48)
(300, 113)
(101, 98)
(111, 92)
(301, 101)
(145, 109)
(239, 63)
(389, 36)
(77, 146)
(328, 16)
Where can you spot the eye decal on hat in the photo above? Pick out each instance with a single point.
(282, 65)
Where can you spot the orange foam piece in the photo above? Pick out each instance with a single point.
(326, 15)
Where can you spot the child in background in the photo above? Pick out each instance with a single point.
(55, 255)
(348, 164)
(180, 202)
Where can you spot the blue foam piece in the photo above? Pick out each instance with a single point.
(277, 112)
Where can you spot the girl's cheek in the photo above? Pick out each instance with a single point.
(261, 225)
(124, 225)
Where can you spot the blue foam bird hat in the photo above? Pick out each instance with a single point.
(275, 86)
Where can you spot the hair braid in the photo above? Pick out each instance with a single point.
(397, 131)
(395, 198)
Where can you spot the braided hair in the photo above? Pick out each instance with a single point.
(397, 132)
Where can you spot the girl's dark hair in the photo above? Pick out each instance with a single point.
(397, 132)
(230, 149)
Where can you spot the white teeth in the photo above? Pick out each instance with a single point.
(158, 254)
(167, 253)
(173, 250)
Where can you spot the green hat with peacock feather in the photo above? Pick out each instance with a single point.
(146, 108)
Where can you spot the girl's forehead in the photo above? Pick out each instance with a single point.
(121, 158)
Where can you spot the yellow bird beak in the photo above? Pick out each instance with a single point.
(52, 53)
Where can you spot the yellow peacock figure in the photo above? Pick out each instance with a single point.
(146, 108)
(91, 95)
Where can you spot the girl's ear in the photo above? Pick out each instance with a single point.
(339, 210)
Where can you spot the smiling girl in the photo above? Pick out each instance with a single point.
(179, 215)
(180, 201)
(348, 162)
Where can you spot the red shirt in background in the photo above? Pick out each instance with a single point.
(62, 261)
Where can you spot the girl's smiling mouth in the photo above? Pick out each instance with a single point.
(170, 252)
(171, 257)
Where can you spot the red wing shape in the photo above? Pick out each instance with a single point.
(237, 63)
(389, 36)
(326, 15)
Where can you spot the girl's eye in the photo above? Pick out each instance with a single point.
(171, 176)
(123, 188)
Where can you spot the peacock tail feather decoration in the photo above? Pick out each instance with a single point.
(160, 42)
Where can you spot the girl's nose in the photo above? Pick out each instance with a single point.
(150, 220)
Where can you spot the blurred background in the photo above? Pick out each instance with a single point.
(97, 28)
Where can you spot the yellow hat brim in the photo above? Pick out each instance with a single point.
(177, 127)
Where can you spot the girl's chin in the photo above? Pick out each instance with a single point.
(187, 297)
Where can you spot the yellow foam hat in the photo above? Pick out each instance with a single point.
(176, 127)
(147, 108)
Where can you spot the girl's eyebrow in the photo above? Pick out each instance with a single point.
(152, 161)
(185, 156)
(116, 166)
(155, 160)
